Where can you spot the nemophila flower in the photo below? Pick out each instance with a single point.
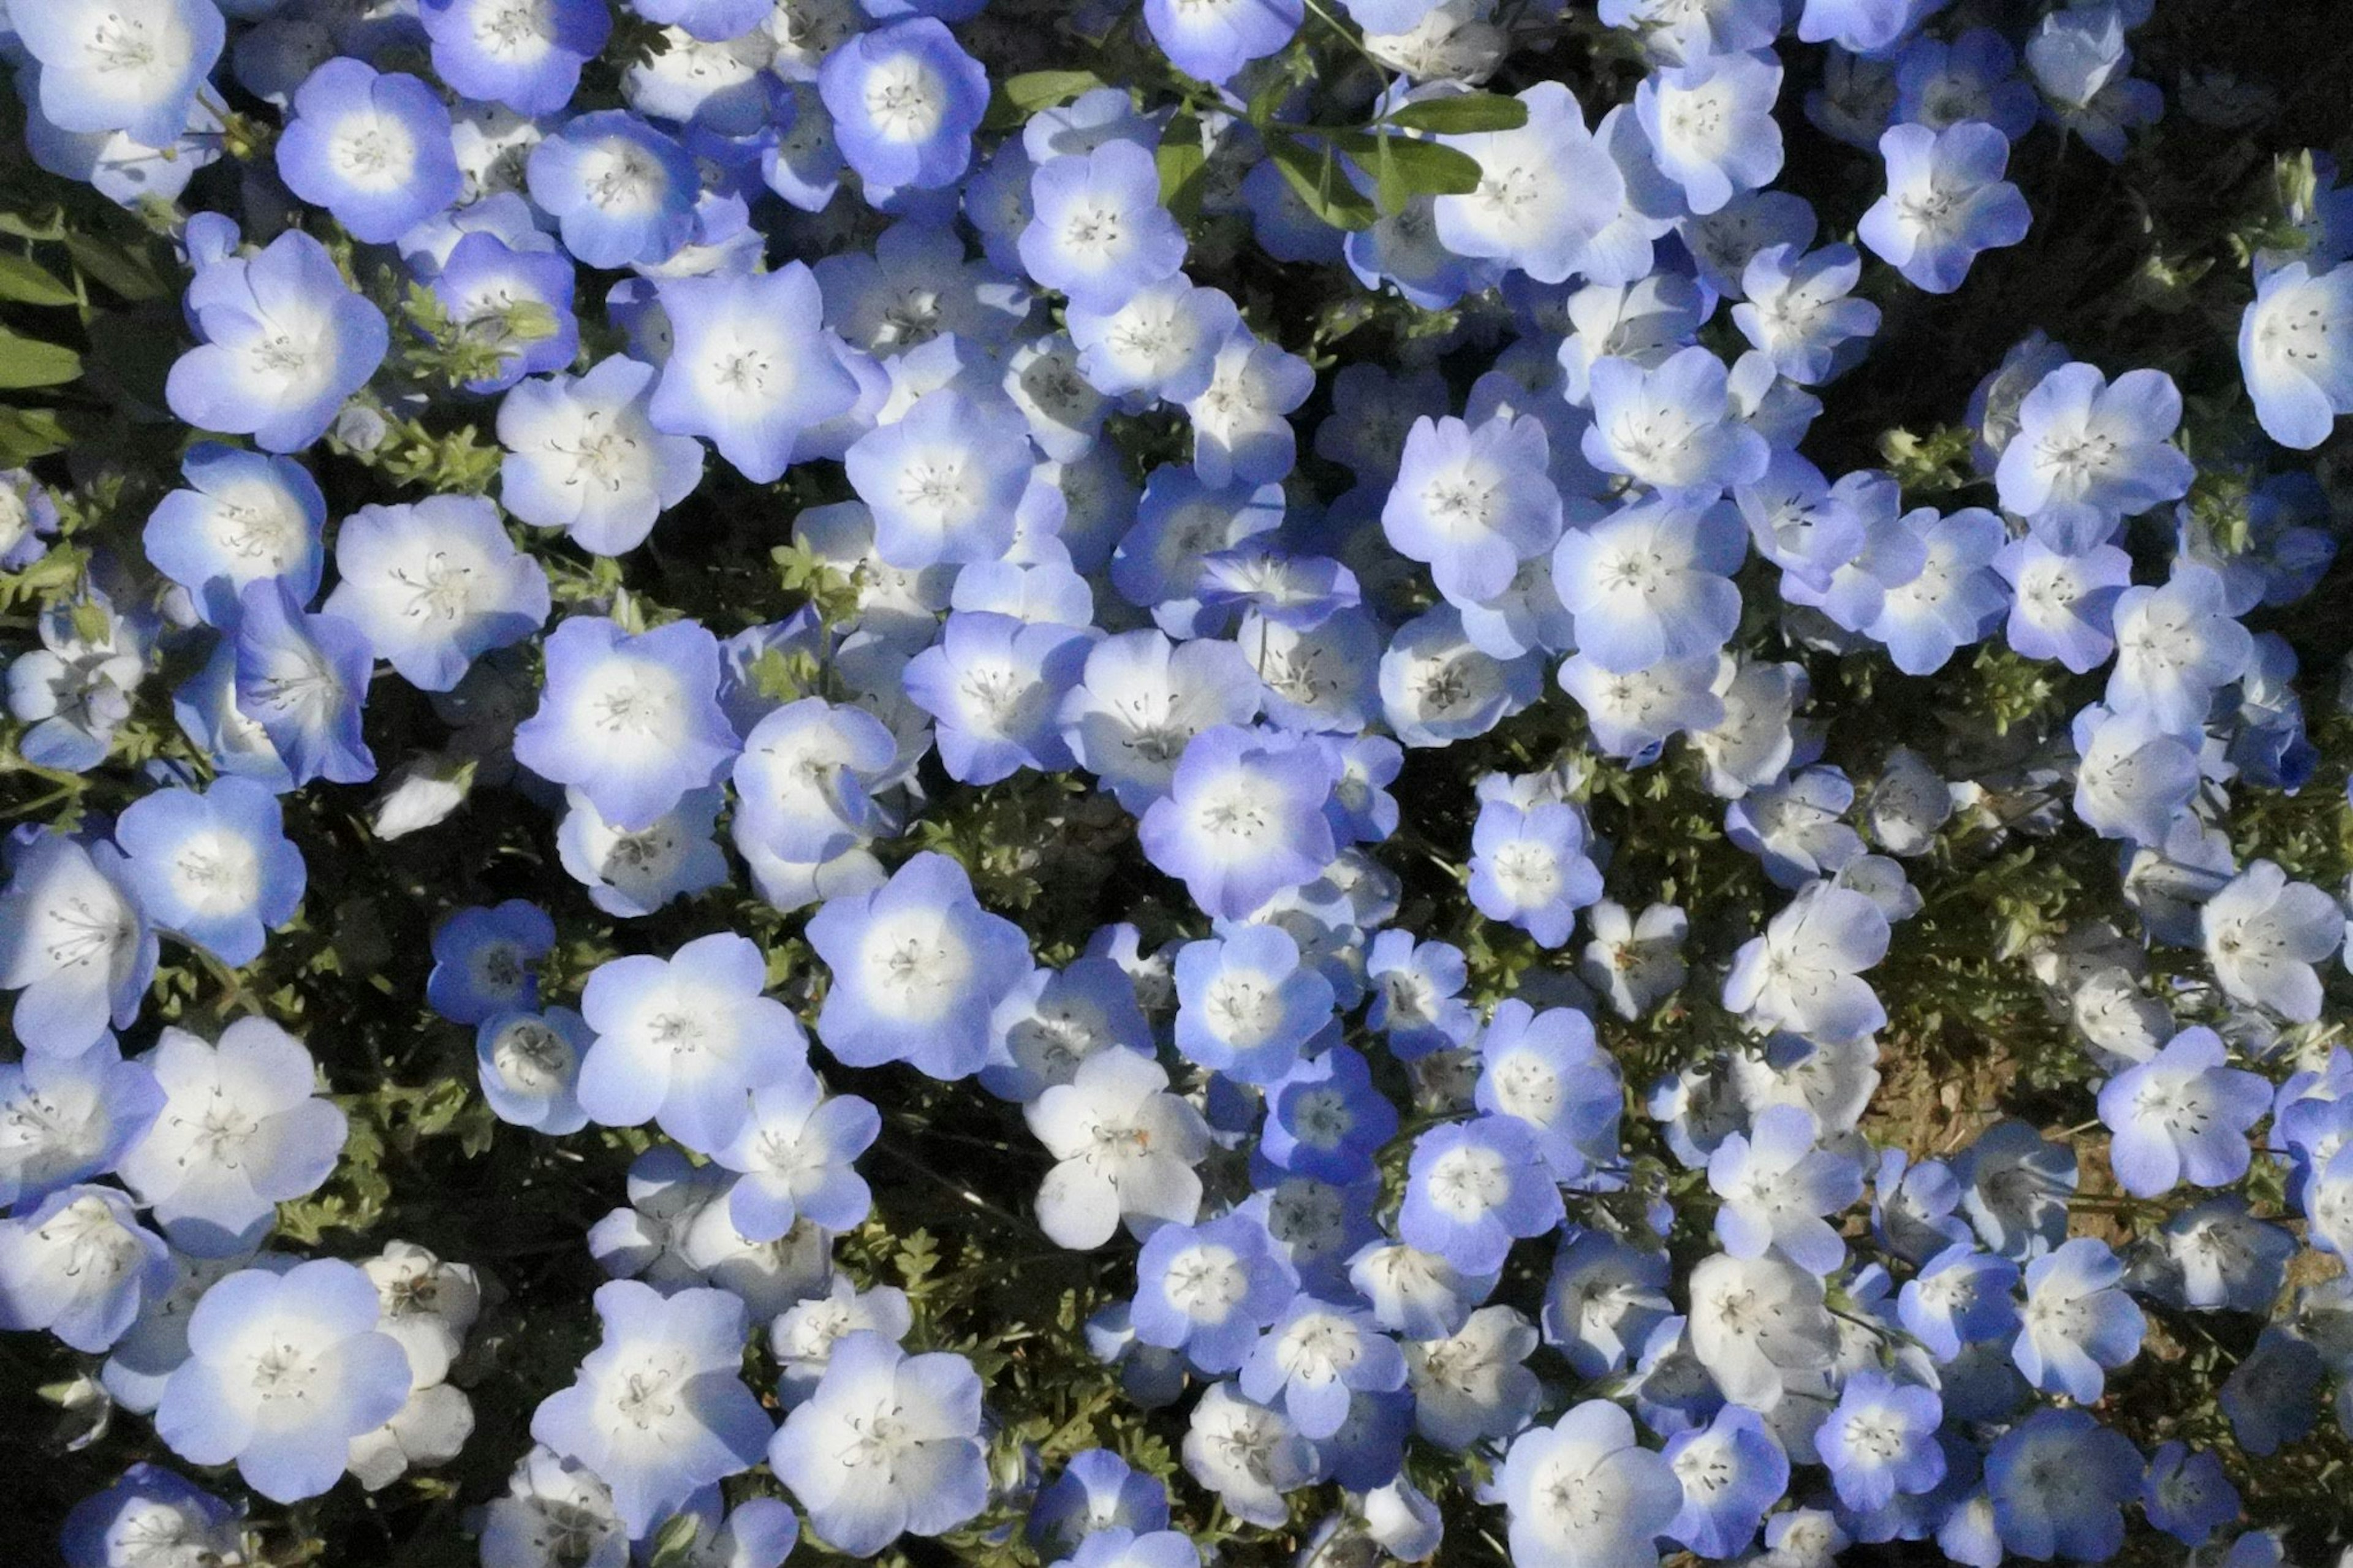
(2059, 1481)
(748, 369)
(802, 1337)
(2263, 934)
(135, 67)
(1669, 425)
(483, 959)
(1472, 503)
(303, 679)
(530, 1068)
(1799, 310)
(526, 57)
(2062, 606)
(917, 966)
(635, 873)
(1545, 1069)
(1581, 1493)
(1160, 562)
(553, 1505)
(241, 1131)
(1956, 596)
(795, 1156)
(805, 781)
(582, 456)
(684, 1040)
(1065, 414)
(1973, 77)
(1805, 973)
(633, 722)
(74, 944)
(2015, 1185)
(214, 868)
(2272, 1396)
(1097, 1491)
(1216, 40)
(244, 516)
(1474, 1187)
(1603, 1300)
(621, 192)
(1241, 432)
(1325, 1119)
(1778, 1186)
(1140, 701)
(79, 1265)
(1529, 869)
(1317, 1226)
(2222, 1256)
(285, 343)
(2182, 1114)
(1056, 1018)
(905, 100)
(63, 1119)
(1097, 230)
(2077, 1322)
(1250, 1456)
(1124, 1149)
(2292, 354)
(658, 1410)
(1209, 1290)
(1545, 189)
(1710, 125)
(888, 1445)
(373, 149)
(1806, 525)
(1960, 1297)
(150, 1516)
(1912, 1206)
(2186, 1495)
(1946, 202)
(997, 686)
(1243, 818)
(1248, 1004)
(1754, 1321)
(1880, 1440)
(517, 301)
(1417, 989)
(2176, 646)
(1797, 828)
(1163, 341)
(1633, 714)
(1651, 582)
(1731, 1471)
(2089, 452)
(283, 1371)
(943, 480)
(1636, 961)
(2081, 61)
(435, 585)
(1121, 1546)
(1314, 1359)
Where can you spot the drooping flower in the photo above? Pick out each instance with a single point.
(303, 678)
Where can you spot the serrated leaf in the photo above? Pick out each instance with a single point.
(28, 361)
(27, 282)
(1463, 115)
(1322, 184)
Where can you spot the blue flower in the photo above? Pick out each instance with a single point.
(105, 66)
(1546, 1069)
(435, 585)
(1163, 341)
(2292, 354)
(2182, 1114)
(2089, 452)
(2079, 58)
(304, 679)
(1438, 687)
(2177, 645)
(582, 455)
(2263, 934)
(374, 149)
(529, 1065)
(1880, 1440)
(1474, 1187)
(1325, 1119)
(1215, 40)
(1315, 1357)
(917, 967)
(622, 192)
(1121, 1546)
(1799, 309)
(2015, 1186)
(905, 100)
(1975, 77)
(749, 369)
(687, 1041)
(1140, 701)
(1125, 1150)
(2273, 1396)
(1603, 1301)
(1240, 431)
(1473, 1384)
(285, 343)
(283, 1371)
(631, 720)
(482, 960)
(1247, 1004)
(527, 58)
(1732, 1470)
(1796, 827)
(1960, 1297)
(1668, 425)
(117, 1528)
(1546, 189)
(1651, 582)
(1582, 1494)
(1777, 1185)
(2062, 606)
(2186, 1495)
(1209, 1290)
(1055, 1019)
(518, 300)
(2059, 1481)
(1804, 975)
(888, 1445)
(74, 944)
(1250, 1456)
(658, 1410)
(1243, 820)
(246, 516)
(1946, 202)
(1472, 503)
(69, 1118)
(1417, 993)
(1097, 230)
(1097, 1491)
(2077, 1322)
(214, 868)
(997, 687)
(79, 1265)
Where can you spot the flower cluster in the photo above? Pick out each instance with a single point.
(1125, 784)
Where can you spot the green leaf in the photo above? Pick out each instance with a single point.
(1462, 116)
(1410, 168)
(1019, 98)
(27, 282)
(1184, 168)
(674, 1545)
(28, 361)
(129, 273)
(29, 432)
(1322, 184)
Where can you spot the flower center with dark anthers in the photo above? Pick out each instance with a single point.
(1304, 1218)
(1460, 501)
(1204, 1285)
(993, 693)
(283, 1371)
(365, 153)
(219, 1133)
(626, 180)
(1877, 1434)
(97, 1248)
(250, 532)
(1529, 872)
(1094, 228)
(642, 852)
(2284, 330)
(507, 28)
(681, 1033)
(281, 355)
(879, 1441)
(84, 933)
(1930, 211)
(628, 706)
(118, 43)
(912, 318)
(1468, 1183)
(531, 1056)
(744, 371)
(648, 1398)
(1320, 1118)
(600, 453)
(937, 488)
(440, 589)
(311, 687)
(2065, 1316)
(1576, 1501)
